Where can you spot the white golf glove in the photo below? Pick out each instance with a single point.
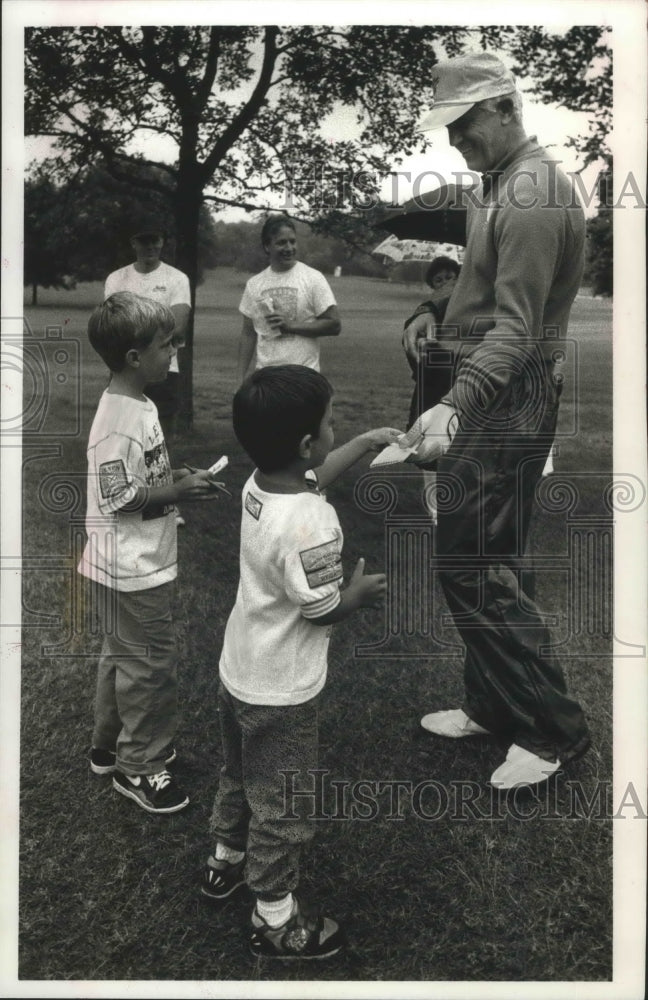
(426, 440)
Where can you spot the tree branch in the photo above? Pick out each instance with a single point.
(314, 38)
(146, 57)
(234, 203)
(211, 66)
(249, 111)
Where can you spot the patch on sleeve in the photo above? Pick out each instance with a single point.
(253, 506)
(113, 479)
(322, 564)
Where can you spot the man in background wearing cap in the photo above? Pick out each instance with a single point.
(154, 279)
(521, 273)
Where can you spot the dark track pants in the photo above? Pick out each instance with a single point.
(492, 468)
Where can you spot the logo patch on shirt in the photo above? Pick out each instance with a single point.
(253, 506)
(322, 564)
(158, 473)
(112, 478)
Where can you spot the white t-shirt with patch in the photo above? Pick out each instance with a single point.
(165, 284)
(291, 571)
(302, 294)
(126, 450)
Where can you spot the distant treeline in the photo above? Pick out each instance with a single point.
(238, 244)
(78, 230)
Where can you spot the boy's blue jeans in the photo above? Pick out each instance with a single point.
(252, 811)
(136, 711)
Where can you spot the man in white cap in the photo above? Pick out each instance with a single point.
(521, 273)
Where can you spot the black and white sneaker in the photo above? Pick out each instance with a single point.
(157, 793)
(105, 761)
(221, 879)
(306, 934)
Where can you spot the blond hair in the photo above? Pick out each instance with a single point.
(126, 321)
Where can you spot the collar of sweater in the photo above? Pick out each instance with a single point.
(490, 178)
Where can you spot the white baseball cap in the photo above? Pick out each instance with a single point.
(462, 82)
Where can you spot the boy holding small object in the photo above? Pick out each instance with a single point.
(131, 554)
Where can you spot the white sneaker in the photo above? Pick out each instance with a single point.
(522, 767)
(180, 521)
(453, 723)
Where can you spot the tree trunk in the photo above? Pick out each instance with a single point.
(34, 301)
(187, 211)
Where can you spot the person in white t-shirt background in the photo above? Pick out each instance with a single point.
(287, 307)
(154, 279)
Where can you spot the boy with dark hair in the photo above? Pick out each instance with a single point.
(273, 663)
(130, 555)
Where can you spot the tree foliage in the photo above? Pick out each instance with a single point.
(253, 111)
(45, 262)
(599, 271)
(573, 70)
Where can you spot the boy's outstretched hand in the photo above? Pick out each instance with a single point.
(366, 591)
(346, 455)
(379, 437)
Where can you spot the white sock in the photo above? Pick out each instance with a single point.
(275, 912)
(225, 853)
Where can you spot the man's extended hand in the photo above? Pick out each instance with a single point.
(431, 435)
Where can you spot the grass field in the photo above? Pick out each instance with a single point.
(426, 893)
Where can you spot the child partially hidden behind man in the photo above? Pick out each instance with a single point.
(274, 658)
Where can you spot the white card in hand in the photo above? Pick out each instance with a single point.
(392, 454)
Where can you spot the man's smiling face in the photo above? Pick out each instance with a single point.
(480, 137)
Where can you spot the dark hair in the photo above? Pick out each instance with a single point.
(275, 408)
(125, 321)
(441, 264)
(272, 225)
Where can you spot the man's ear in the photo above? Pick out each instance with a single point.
(305, 446)
(133, 358)
(505, 108)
